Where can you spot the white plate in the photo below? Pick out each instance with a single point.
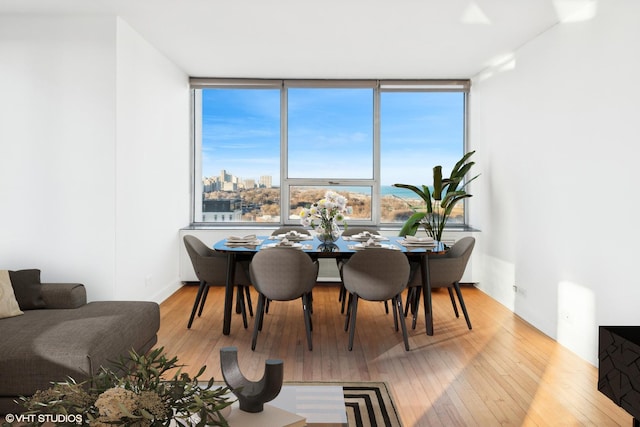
(360, 246)
(243, 242)
(297, 238)
(278, 245)
(424, 244)
(358, 238)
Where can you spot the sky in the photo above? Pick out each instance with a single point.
(331, 133)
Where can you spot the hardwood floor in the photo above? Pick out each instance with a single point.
(503, 372)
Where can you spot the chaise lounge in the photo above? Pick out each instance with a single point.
(68, 338)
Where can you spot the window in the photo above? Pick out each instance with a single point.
(265, 148)
(418, 130)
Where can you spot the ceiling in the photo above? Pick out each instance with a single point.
(329, 38)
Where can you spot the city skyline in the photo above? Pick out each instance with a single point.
(219, 182)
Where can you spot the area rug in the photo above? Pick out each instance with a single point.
(368, 404)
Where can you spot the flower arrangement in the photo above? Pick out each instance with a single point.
(326, 212)
(133, 393)
(331, 208)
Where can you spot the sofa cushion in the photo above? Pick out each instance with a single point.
(8, 305)
(53, 344)
(64, 295)
(27, 288)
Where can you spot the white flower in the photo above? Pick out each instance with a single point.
(332, 207)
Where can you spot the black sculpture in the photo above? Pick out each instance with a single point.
(619, 367)
(252, 395)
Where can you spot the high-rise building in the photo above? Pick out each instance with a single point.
(249, 184)
(225, 177)
(265, 181)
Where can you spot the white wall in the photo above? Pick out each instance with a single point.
(71, 123)
(57, 140)
(556, 132)
(152, 175)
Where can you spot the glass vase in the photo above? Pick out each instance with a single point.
(328, 232)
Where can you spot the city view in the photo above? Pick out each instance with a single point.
(329, 136)
(230, 198)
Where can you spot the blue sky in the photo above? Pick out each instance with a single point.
(331, 133)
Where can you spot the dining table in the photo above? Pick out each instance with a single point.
(245, 247)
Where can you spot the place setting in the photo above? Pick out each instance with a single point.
(286, 243)
(293, 236)
(250, 240)
(372, 243)
(410, 242)
(365, 236)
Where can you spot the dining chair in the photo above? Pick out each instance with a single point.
(285, 229)
(283, 274)
(348, 232)
(445, 271)
(376, 274)
(211, 270)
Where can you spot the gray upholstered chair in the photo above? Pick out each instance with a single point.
(350, 231)
(211, 269)
(376, 274)
(285, 229)
(283, 274)
(445, 271)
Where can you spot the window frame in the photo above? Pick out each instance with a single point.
(378, 87)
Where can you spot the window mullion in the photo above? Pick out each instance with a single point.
(375, 196)
(284, 157)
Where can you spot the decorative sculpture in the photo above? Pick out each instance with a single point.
(252, 395)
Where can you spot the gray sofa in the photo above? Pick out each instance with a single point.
(69, 338)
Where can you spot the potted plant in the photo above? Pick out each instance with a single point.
(439, 201)
(132, 393)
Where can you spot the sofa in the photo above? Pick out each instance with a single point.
(64, 336)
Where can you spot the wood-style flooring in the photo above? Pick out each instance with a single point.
(504, 372)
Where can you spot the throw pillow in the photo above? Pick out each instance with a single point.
(27, 289)
(8, 305)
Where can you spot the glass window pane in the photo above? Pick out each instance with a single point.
(418, 130)
(330, 133)
(241, 155)
(358, 200)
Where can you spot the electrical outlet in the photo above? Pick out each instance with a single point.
(520, 291)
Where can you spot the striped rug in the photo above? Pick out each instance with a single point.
(370, 404)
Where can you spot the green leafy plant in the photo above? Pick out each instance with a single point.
(439, 202)
(133, 392)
